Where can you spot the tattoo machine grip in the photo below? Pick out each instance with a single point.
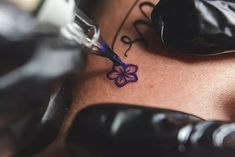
(84, 31)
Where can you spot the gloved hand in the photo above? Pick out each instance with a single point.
(34, 61)
(125, 130)
(201, 27)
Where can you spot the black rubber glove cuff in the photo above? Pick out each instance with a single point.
(123, 130)
(201, 27)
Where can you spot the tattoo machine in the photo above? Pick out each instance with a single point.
(47, 62)
(74, 24)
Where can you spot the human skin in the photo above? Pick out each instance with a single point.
(169, 79)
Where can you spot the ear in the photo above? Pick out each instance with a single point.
(57, 12)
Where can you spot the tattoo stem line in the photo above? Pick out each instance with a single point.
(123, 22)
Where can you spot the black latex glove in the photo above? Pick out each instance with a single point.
(202, 27)
(34, 61)
(131, 131)
(44, 58)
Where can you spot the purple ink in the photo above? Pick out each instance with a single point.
(122, 74)
(108, 53)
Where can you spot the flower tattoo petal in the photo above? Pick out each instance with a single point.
(118, 68)
(131, 68)
(123, 74)
(113, 75)
(131, 78)
(120, 81)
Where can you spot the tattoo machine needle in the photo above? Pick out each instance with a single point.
(84, 32)
(73, 23)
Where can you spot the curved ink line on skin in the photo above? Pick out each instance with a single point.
(146, 4)
(124, 74)
(145, 22)
(128, 41)
(123, 22)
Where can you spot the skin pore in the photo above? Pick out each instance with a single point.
(203, 86)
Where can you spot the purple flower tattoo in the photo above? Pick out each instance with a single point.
(123, 74)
